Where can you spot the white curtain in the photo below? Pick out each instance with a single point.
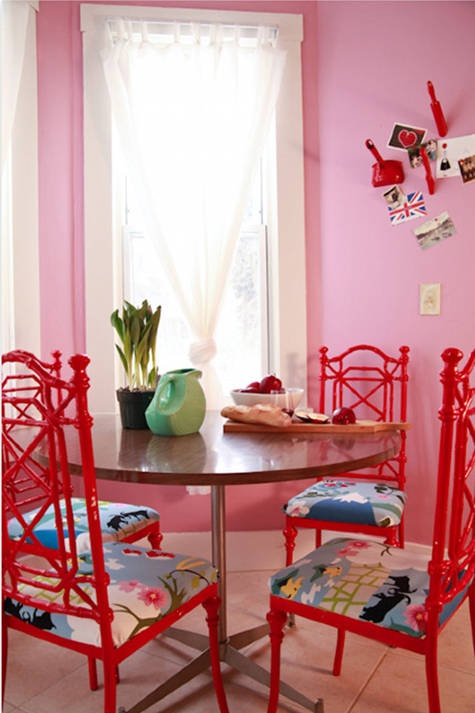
(14, 18)
(192, 105)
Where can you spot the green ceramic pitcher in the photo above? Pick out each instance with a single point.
(179, 405)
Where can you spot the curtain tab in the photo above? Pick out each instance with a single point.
(202, 351)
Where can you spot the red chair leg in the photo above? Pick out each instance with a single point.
(276, 621)
(432, 676)
(318, 538)
(4, 654)
(290, 533)
(110, 686)
(401, 534)
(212, 610)
(340, 644)
(471, 604)
(392, 538)
(155, 537)
(91, 662)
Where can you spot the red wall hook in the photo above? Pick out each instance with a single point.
(429, 177)
(437, 111)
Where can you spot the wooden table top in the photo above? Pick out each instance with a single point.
(212, 457)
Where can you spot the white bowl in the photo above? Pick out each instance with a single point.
(244, 398)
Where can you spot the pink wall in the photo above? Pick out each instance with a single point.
(374, 60)
(365, 66)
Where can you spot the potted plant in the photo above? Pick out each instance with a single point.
(136, 329)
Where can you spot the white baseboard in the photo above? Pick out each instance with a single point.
(249, 551)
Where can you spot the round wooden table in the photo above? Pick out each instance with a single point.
(213, 457)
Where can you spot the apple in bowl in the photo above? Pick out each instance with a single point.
(286, 399)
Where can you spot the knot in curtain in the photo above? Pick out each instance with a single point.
(202, 351)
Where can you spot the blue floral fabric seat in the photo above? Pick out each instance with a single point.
(118, 520)
(157, 584)
(363, 580)
(355, 501)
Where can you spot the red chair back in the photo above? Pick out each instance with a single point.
(452, 566)
(37, 409)
(374, 385)
(366, 380)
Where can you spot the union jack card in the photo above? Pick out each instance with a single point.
(412, 207)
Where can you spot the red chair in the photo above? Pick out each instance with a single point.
(105, 603)
(400, 598)
(119, 521)
(374, 385)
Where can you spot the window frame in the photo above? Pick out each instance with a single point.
(287, 289)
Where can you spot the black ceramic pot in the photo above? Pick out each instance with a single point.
(132, 406)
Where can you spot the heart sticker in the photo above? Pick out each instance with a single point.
(407, 138)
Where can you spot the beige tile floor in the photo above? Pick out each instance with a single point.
(46, 679)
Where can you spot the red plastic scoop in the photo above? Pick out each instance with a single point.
(385, 173)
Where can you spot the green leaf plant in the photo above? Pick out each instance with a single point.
(136, 329)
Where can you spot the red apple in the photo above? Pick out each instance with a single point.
(253, 388)
(343, 416)
(270, 383)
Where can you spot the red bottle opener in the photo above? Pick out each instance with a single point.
(385, 173)
(437, 111)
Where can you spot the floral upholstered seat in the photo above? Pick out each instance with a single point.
(363, 580)
(349, 501)
(118, 521)
(157, 583)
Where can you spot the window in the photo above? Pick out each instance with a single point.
(286, 264)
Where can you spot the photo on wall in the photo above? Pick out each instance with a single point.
(467, 168)
(450, 152)
(404, 137)
(404, 207)
(434, 231)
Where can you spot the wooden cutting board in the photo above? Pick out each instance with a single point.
(363, 426)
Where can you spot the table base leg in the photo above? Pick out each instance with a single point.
(200, 641)
(244, 638)
(230, 654)
(190, 638)
(250, 668)
(200, 663)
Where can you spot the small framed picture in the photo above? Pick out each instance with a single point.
(402, 207)
(406, 137)
(435, 231)
(415, 158)
(467, 168)
(395, 197)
